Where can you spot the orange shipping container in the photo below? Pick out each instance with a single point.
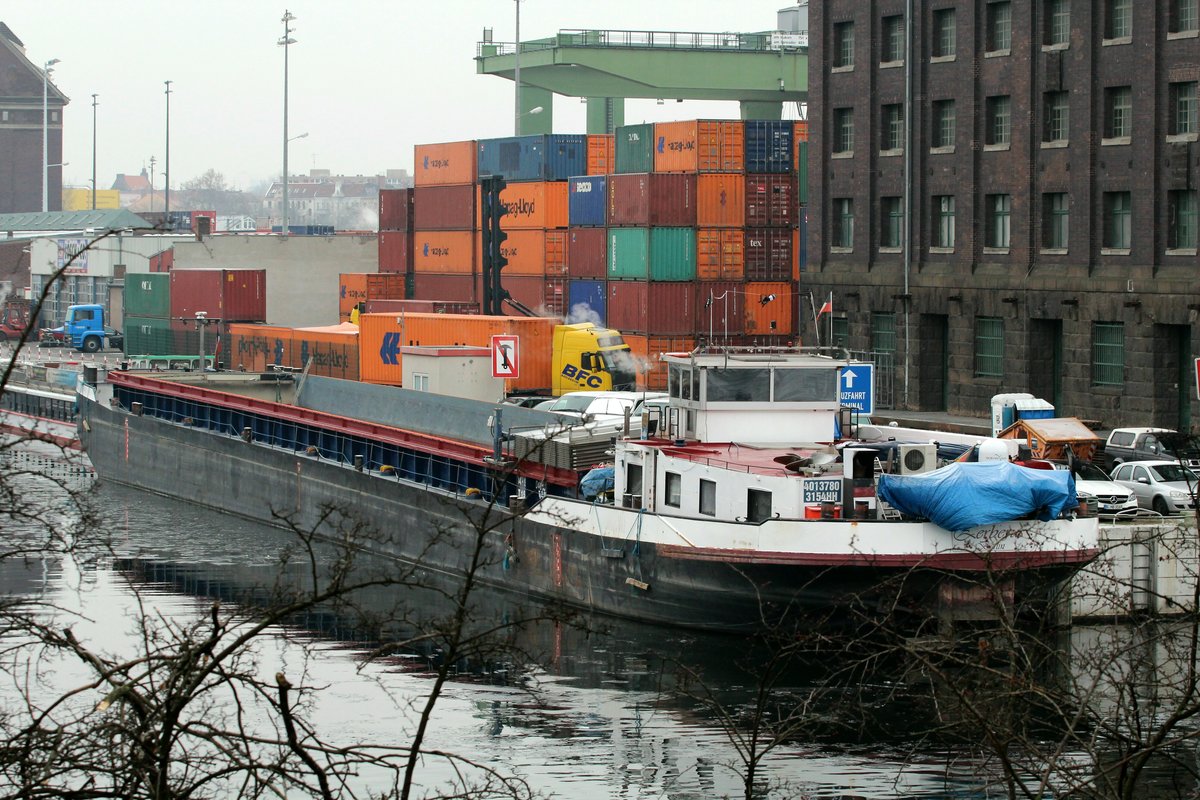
(257, 348)
(799, 134)
(647, 353)
(719, 254)
(358, 287)
(444, 252)
(332, 350)
(699, 146)
(601, 154)
(720, 200)
(531, 206)
(772, 317)
(529, 252)
(382, 335)
(447, 164)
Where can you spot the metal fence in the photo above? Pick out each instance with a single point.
(885, 375)
(670, 40)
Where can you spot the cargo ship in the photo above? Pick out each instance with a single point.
(738, 505)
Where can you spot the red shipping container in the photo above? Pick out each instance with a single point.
(720, 200)
(395, 209)
(652, 199)
(231, 295)
(555, 297)
(720, 310)
(528, 290)
(671, 308)
(458, 288)
(587, 253)
(444, 208)
(769, 254)
(395, 251)
(625, 307)
(771, 201)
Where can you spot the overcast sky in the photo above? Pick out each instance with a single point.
(367, 79)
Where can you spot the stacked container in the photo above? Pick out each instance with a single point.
(395, 230)
(148, 329)
(444, 216)
(330, 351)
(359, 287)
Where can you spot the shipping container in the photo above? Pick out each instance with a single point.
(395, 209)
(331, 351)
(395, 251)
(382, 335)
(151, 336)
(554, 298)
(648, 199)
(628, 254)
(538, 205)
(626, 305)
(542, 157)
(635, 148)
(720, 311)
(420, 307)
(162, 262)
(770, 254)
(719, 254)
(458, 288)
(720, 200)
(699, 146)
(672, 254)
(799, 131)
(528, 290)
(444, 252)
(769, 309)
(670, 309)
(769, 145)
(254, 347)
(647, 354)
(148, 294)
(529, 252)
(587, 201)
(232, 295)
(771, 201)
(586, 301)
(446, 164)
(601, 154)
(444, 208)
(358, 287)
(587, 250)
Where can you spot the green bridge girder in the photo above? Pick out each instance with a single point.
(761, 71)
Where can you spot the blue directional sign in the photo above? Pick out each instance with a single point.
(856, 387)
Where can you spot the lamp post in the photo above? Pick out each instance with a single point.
(285, 41)
(517, 73)
(46, 70)
(95, 103)
(167, 163)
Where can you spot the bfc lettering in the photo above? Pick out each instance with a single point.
(582, 377)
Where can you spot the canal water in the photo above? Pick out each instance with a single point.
(614, 711)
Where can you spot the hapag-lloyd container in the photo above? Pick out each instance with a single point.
(587, 252)
(720, 200)
(719, 254)
(720, 313)
(587, 301)
(769, 308)
(444, 252)
(769, 145)
(420, 307)
(330, 351)
(601, 154)
(358, 287)
(649, 199)
(635, 148)
(532, 206)
(537, 252)
(699, 146)
(672, 254)
(395, 251)
(148, 294)
(771, 200)
(770, 254)
(628, 254)
(587, 201)
(395, 209)
(258, 348)
(445, 164)
(231, 295)
(444, 208)
(382, 335)
(541, 157)
(455, 288)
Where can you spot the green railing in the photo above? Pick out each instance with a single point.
(664, 40)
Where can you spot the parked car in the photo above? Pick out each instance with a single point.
(1112, 499)
(597, 406)
(1166, 487)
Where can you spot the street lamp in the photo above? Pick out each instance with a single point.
(285, 41)
(95, 103)
(517, 73)
(46, 70)
(167, 164)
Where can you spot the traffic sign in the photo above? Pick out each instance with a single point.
(504, 357)
(856, 387)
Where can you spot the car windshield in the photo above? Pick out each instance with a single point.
(574, 403)
(1171, 473)
(1090, 472)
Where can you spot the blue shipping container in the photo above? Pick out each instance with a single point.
(544, 157)
(587, 201)
(768, 145)
(586, 301)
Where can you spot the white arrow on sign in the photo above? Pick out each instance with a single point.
(848, 376)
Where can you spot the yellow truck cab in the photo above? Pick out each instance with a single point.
(587, 357)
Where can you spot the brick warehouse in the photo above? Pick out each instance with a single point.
(21, 131)
(1053, 228)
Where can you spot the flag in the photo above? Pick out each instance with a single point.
(826, 307)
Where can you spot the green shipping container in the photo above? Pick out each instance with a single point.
(672, 254)
(802, 195)
(635, 148)
(628, 253)
(148, 294)
(150, 336)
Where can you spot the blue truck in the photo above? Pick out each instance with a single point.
(84, 329)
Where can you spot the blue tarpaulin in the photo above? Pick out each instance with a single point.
(600, 479)
(963, 495)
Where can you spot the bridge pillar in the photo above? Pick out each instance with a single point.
(541, 122)
(605, 114)
(752, 109)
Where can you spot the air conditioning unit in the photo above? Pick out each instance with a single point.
(916, 459)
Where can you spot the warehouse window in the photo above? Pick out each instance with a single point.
(989, 347)
(943, 123)
(1056, 125)
(843, 130)
(998, 208)
(1181, 226)
(892, 214)
(883, 332)
(943, 221)
(1118, 19)
(893, 40)
(893, 127)
(1182, 108)
(1118, 112)
(1108, 354)
(943, 33)
(1056, 220)
(843, 45)
(843, 222)
(1057, 22)
(999, 26)
(1185, 16)
(997, 131)
(841, 331)
(1118, 230)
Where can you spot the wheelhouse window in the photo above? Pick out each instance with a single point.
(1108, 354)
(708, 497)
(683, 382)
(758, 505)
(633, 486)
(739, 385)
(674, 489)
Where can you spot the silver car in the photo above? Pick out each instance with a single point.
(1166, 487)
